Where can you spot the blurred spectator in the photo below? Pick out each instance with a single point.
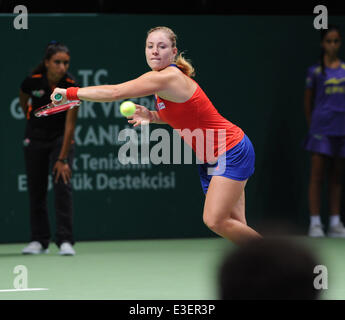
(325, 113)
(269, 268)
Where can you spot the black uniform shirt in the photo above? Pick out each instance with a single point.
(44, 128)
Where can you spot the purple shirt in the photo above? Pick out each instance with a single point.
(328, 115)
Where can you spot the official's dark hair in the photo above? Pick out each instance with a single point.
(52, 48)
(268, 269)
(323, 33)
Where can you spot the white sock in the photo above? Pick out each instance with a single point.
(334, 220)
(315, 220)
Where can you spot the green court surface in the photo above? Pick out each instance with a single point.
(181, 269)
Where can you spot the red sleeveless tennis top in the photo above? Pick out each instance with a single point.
(200, 125)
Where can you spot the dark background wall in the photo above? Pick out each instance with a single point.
(192, 7)
(252, 68)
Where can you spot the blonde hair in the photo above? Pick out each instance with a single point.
(184, 64)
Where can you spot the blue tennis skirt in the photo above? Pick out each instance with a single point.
(238, 163)
(332, 146)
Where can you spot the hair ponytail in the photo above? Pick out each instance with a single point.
(322, 61)
(185, 66)
(40, 68)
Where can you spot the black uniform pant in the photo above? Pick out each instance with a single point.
(40, 157)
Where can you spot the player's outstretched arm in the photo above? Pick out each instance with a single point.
(145, 85)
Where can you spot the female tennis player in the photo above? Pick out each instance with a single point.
(182, 104)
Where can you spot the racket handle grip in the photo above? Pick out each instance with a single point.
(58, 97)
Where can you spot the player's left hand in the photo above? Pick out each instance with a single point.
(141, 116)
(62, 170)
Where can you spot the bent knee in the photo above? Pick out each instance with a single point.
(216, 223)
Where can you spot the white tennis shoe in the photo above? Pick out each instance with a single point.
(316, 231)
(66, 249)
(337, 231)
(34, 247)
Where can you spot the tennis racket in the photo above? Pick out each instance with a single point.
(51, 108)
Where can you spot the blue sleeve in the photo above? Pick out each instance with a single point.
(311, 78)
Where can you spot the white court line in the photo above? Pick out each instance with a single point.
(19, 290)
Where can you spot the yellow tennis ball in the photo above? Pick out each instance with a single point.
(127, 108)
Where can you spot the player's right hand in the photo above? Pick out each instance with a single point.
(62, 92)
